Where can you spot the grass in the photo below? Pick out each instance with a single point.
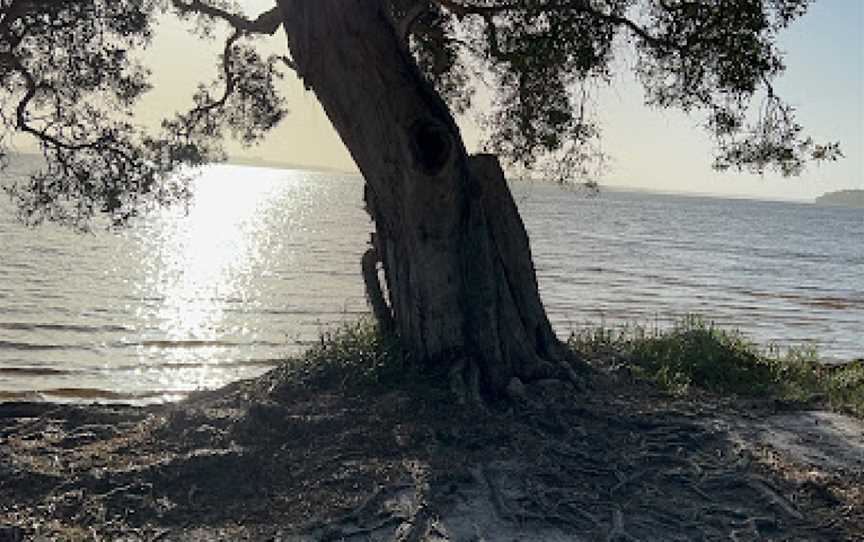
(353, 354)
(693, 353)
(357, 357)
(697, 353)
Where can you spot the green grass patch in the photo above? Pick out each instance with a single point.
(353, 354)
(693, 352)
(359, 358)
(698, 353)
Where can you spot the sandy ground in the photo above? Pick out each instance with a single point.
(819, 440)
(281, 458)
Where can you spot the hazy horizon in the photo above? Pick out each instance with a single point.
(252, 161)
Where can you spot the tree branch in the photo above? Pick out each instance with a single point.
(266, 23)
(21, 114)
(289, 62)
(230, 81)
(405, 24)
(461, 9)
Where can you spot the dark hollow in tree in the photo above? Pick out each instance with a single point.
(460, 287)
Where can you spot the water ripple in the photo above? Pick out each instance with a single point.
(265, 260)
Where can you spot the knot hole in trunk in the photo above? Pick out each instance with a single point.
(430, 145)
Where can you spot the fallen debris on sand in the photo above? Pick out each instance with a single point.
(273, 459)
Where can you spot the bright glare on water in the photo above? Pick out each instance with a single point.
(261, 261)
(252, 270)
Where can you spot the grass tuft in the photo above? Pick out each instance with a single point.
(358, 358)
(353, 354)
(697, 353)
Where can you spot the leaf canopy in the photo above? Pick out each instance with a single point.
(69, 78)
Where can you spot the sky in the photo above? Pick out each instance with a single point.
(649, 149)
(666, 150)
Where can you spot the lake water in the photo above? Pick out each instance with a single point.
(265, 260)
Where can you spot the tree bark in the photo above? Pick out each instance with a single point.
(461, 286)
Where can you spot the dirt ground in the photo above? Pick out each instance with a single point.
(280, 459)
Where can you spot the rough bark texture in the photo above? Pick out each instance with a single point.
(461, 285)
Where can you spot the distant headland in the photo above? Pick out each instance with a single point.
(845, 198)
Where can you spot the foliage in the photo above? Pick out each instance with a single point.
(354, 351)
(69, 79)
(697, 353)
(543, 56)
(358, 356)
(692, 353)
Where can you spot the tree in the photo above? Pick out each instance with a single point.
(461, 292)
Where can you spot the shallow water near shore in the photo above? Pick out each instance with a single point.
(262, 261)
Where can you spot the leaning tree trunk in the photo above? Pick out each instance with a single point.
(461, 287)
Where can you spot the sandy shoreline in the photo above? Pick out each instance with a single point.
(279, 459)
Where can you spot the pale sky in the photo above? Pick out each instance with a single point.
(660, 150)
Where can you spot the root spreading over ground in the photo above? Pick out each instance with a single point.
(287, 458)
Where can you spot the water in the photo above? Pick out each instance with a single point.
(264, 260)
(784, 273)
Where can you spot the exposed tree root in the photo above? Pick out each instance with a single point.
(464, 379)
(573, 377)
(254, 463)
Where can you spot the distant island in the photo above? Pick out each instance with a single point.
(845, 198)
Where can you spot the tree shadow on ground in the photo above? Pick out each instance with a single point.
(272, 459)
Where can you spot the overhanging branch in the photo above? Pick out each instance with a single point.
(230, 81)
(487, 11)
(21, 117)
(266, 23)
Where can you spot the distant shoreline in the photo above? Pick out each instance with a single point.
(842, 198)
(826, 199)
(254, 162)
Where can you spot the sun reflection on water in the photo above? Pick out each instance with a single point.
(202, 263)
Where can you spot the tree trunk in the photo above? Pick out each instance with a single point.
(461, 286)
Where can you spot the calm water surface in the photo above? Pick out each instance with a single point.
(264, 260)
